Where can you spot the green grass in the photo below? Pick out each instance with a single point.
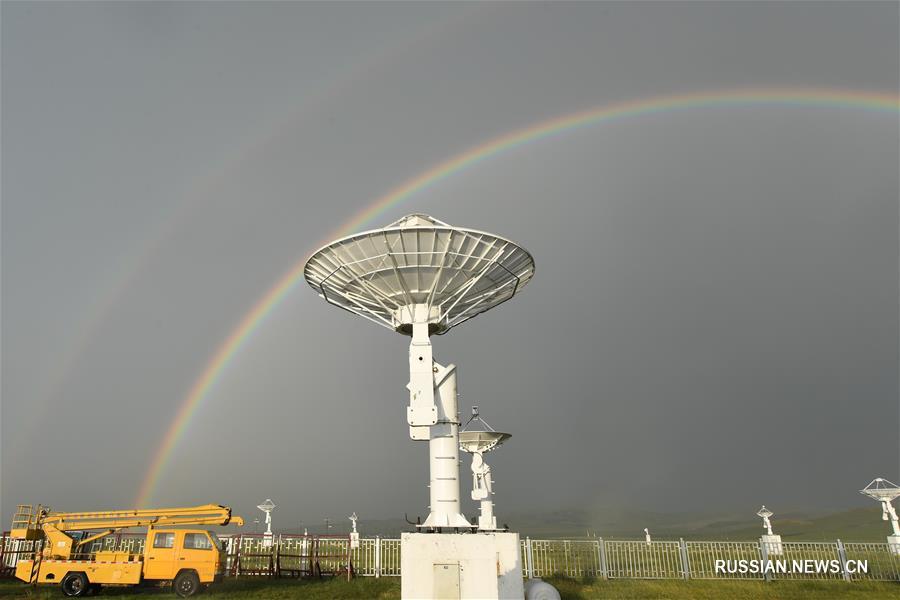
(249, 588)
(664, 589)
(574, 589)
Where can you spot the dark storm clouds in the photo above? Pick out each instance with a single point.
(713, 321)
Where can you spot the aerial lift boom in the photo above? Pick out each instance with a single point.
(31, 524)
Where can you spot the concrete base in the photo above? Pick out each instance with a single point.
(772, 544)
(456, 566)
(894, 544)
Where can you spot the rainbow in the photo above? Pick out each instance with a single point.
(734, 98)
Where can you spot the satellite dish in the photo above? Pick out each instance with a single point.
(478, 442)
(881, 489)
(419, 269)
(420, 276)
(267, 507)
(481, 441)
(765, 514)
(884, 491)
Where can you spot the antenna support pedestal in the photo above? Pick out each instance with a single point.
(432, 415)
(482, 489)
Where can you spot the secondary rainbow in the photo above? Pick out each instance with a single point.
(734, 98)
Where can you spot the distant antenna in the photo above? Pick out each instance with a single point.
(769, 540)
(267, 507)
(478, 443)
(884, 491)
(354, 535)
(765, 513)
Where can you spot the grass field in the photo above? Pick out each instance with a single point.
(366, 588)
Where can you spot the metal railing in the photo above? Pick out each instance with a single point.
(13, 550)
(702, 557)
(610, 559)
(286, 555)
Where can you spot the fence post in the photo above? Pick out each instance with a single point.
(276, 567)
(237, 560)
(685, 563)
(842, 556)
(601, 549)
(764, 554)
(529, 558)
(377, 556)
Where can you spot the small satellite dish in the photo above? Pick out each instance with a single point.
(267, 507)
(881, 490)
(765, 513)
(478, 442)
(481, 442)
(884, 491)
(354, 535)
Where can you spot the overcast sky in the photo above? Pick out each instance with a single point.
(713, 321)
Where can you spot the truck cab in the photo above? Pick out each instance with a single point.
(187, 557)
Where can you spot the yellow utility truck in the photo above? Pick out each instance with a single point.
(189, 558)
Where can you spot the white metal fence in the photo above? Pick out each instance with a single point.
(625, 559)
(611, 559)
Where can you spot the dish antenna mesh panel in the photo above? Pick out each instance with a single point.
(419, 269)
(481, 441)
(881, 490)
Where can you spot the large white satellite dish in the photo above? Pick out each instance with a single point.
(420, 276)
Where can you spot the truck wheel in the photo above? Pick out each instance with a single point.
(186, 584)
(74, 585)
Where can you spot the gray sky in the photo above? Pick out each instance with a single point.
(713, 321)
